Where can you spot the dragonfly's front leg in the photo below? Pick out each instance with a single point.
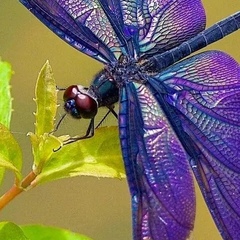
(89, 133)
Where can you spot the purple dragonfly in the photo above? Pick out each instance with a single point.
(174, 114)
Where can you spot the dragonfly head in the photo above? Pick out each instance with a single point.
(79, 103)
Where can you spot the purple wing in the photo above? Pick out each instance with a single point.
(159, 176)
(82, 24)
(202, 102)
(104, 29)
(164, 24)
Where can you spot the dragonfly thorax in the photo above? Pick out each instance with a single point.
(125, 70)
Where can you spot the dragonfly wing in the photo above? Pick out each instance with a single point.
(202, 99)
(165, 24)
(83, 24)
(103, 29)
(159, 175)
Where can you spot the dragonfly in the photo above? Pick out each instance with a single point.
(178, 114)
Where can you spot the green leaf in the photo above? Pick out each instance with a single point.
(43, 147)
(46, 100)
(10, 152)
(98, 156)
(10, 231)
(5, 96)
(38, 232)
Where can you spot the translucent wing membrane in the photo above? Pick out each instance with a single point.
(83, 24)
(164, 24)
(203, 94)
(103, 29)
(161, 185)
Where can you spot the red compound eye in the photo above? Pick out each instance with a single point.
(78, 103)
(86, 105)
(71, 92)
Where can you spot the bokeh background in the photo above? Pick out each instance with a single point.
(99, 208)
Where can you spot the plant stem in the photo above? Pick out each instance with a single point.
(15, 190)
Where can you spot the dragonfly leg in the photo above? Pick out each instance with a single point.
(59, 123)
(110, 110)
(91, 128)
(89, 134)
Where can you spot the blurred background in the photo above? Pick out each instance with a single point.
(98, 208)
